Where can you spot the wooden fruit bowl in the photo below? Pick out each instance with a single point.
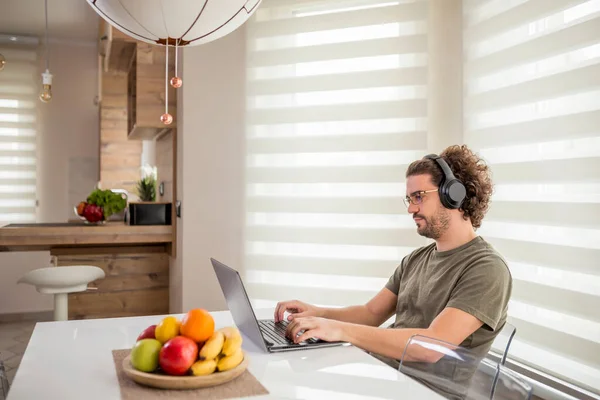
(162, 381)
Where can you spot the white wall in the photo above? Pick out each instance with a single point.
(68, 148)
(211, 159)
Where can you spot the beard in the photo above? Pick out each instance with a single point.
(435, 226)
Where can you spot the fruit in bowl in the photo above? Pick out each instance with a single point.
(191, 346)
(100, 205)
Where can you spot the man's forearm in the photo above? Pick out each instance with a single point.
(354, 314)
(387, 342)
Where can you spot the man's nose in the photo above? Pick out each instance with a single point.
(412, 209)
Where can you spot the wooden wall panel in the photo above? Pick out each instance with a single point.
(120, 158)
(136, 282)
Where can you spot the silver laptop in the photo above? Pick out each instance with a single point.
(266, 334)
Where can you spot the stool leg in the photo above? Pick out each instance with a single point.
(61, 307)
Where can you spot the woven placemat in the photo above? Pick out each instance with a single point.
(244, 385)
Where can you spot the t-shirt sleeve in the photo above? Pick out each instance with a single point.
(393, 284)
(483, 291)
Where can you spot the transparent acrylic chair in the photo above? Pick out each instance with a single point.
(459, 373)
(3, 382)
(502, 343)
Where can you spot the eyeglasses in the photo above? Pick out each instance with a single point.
(416, 198)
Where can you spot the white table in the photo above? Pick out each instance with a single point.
(73, 360)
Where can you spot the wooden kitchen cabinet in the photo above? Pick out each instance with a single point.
(146, 92)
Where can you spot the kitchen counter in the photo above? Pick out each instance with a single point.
(134, 258)
(35, 237)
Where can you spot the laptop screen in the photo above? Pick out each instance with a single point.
(238, 302)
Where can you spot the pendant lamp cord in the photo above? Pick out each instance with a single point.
(46, 11)
(167, 78)
(176, 55)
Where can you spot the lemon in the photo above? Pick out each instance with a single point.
(167, 329)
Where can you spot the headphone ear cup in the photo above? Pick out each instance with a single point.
(453, 194)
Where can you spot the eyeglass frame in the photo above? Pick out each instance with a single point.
(408, 201)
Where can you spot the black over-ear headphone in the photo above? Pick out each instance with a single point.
(452, 191)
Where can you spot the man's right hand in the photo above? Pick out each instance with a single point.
(296, 309)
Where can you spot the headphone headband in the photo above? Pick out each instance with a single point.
(443, 164)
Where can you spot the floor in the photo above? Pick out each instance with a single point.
(14, 337)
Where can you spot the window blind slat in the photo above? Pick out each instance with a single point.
(568, 38)
(584, 214)
(584, 124)
(558, 256)
(373, 110)
(563, 301)
(546, 337)
(548, 171)
(363, 17)
(393, 46)
(522, 13)
(325, 175)
(348, 205)
(573, 81)
(555, 363)
(357, 80)
(345, 236)
(340, 143)
(311, 295)
(315, 265)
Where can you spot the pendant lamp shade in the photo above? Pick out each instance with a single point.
(181, 22)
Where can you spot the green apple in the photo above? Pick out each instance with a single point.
(144, 355)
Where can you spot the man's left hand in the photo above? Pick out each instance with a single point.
(315, 327)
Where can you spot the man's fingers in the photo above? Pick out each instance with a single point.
(284, 306)
(305, 336)
(291, 317)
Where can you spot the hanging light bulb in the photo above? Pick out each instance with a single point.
(2, 62)
(46, 94)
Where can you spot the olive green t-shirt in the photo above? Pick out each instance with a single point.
(473, 278)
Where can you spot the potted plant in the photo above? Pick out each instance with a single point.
(147, 211)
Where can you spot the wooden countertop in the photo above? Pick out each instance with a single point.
(34, 237)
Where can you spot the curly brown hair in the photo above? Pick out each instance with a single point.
(471, 170)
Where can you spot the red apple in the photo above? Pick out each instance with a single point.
(177, 355)
(147, 333)
(93, 213)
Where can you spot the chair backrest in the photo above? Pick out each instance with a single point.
(502, 342)
(508, 385)
(456, 372)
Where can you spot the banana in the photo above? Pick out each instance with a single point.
(232, 361)
(213, 346)
(233, 340)
(205, 367)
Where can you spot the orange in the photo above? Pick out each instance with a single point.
(197, 325)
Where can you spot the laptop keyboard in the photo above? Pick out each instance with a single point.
(275, 332)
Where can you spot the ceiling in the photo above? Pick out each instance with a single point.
(71, 20)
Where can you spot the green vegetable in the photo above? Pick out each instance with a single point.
(110, 201)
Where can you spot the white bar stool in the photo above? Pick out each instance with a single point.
(60, 281)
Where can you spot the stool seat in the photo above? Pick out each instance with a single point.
(60, 281)
(69, 279)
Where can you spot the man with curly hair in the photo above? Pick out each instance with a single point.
(456, 289)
